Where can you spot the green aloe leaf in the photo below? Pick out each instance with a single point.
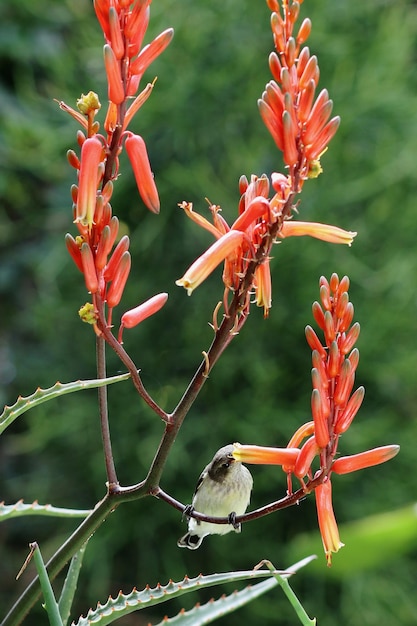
(20, 509)
(124, 604)
(23, 404)
(70, 585)
(206, 613)
(50, 604)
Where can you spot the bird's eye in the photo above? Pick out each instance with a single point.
(227, 464)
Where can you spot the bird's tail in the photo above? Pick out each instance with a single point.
(190, 541)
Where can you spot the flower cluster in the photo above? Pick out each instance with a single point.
(298, 123)
(333, 407)
(300, 126)
(105, 267)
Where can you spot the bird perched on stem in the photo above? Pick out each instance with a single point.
(223, 490)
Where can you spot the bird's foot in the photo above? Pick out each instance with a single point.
(186, 514)
(233, 522)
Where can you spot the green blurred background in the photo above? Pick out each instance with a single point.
(203, 131)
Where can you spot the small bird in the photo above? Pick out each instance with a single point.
(223, 490)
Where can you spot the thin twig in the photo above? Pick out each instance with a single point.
(112, 481)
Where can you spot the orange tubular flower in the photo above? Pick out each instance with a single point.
(138, 156)
(113, 264)
(91, 155)
(306, 455)
(89, 270)
(327, 522)
(263, 287)
(135, 316)
(118, 283)
(355, 462)
(150, 52)
(74, 250)
(321, 428)
(207, 262)
(260, 455)
(325, 232)
(114, 76)
(345, 418)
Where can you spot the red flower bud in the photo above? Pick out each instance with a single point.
(89, 270)
(275, 66)
(314, 342)
(325, 296)
(304, 31)
(346, 321)
(318, 314)
(116, 38)
(334, 360)
(113, 264)
(118, 283)
(74, 251)
(150, 52)
(273, 123)
(290, 153)
(351, 338)
(114, 76)
(329, 329)
(347, 464)
(103, 249)
(345, 418)
(135, 316)
(309, 71)
(91, 155)
(138, 156)
(307, 453)
(345, 383)
(321, 429)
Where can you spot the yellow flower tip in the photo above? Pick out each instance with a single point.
(88, 103)
(334, 549)
(183, 282)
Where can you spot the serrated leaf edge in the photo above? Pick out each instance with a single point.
(124, 604)
(24, 403)
(19, 508)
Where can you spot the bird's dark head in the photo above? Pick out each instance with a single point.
(222, 464)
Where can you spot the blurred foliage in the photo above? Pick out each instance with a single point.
(203, 131)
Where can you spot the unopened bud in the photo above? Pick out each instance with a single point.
(305, 458)
(138, 156)
(321, 429)
(347, 464)
(345, 418)
(135, 316)
(89, 270)
(118, 283)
